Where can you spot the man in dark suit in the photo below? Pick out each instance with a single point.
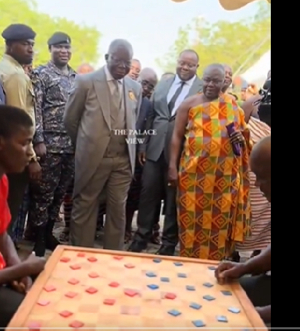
(166, 99)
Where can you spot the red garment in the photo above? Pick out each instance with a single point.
(5, 215)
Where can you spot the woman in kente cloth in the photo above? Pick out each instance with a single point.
(213, 178)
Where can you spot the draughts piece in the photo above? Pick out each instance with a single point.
(34, 326)
(212, 268)
(65, 260)
(165, 279)
(92, 259)
(76, 325)
(65, 313)
(130, 293)
(209, 298)
(119, 258)
(234, 310)
(129, 266)
(114, 284)
(199, 324)
(93, 275)
(196, 306)
(73, 281)
(156, 260)
(170, 296)
(43, 303)
(208, 285)
(222, 319)
(71, 295)
(190, 288)
(75, 267)
(50, 288)
(174, 312)
(153, 287)
(227, 293)
(109, 302)
(91, 290)
(180, 275)
(80, 255)
(150, 274)
(178, 264)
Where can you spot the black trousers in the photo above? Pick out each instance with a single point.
(154, 189)
(10, 300)
(258, 289)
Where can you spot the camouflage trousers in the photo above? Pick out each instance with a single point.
(47, 195)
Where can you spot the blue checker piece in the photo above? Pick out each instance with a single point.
(182, 275)
(195, 306)
(153, 287)
(209, 285)
(150, 274)
(198, 324)
(222, 319)
(156, 260)
(234, 310)
(174, 312)
(178, 264)
(190, 288)
(209, 298)
(212, 268)
(165, 279)
(227, 293)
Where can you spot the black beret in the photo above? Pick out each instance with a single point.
(16, 32)
(59, 38)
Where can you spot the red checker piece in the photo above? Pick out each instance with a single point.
(118, 258)
(43, 303)
(114, 284)
(91, 290)
(109, 302)
(76, 325)
(75, 267)
(93, 275)
(80, 255)
(73, 281)
(65, 313)
(171, 296)
(50, 288)
(92, 259)
(129, 266)
(34, 326)
(65, 259)
(71, 295)
(131, 293)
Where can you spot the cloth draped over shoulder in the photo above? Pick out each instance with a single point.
(213, 191)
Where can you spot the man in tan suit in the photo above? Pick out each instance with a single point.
(100, 118)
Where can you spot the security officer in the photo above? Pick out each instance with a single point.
(52, 84)
(19, 40)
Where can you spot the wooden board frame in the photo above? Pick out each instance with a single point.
(17, 322)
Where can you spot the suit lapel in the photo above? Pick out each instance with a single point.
(103, 94)
(164, 90)
(195, 88)
(127, 103)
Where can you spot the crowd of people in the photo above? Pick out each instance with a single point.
(110, 142)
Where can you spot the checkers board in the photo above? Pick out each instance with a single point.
(83, 288)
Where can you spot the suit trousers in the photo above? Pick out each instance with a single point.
(154, 188)
(115, 176)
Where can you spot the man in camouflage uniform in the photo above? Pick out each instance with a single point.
(52, 84)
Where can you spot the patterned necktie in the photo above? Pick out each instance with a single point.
(116, 94)
(172, 102)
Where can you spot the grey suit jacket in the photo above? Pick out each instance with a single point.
(160, 117)
(87, 121)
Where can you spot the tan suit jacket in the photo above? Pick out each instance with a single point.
(87, 120)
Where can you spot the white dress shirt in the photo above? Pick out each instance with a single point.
(185, 90)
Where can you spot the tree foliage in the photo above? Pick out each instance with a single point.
(238, 44)
(84, 39)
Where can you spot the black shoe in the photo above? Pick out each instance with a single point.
(137, 246)
(51, 242)
(166, 250)
(40, 245)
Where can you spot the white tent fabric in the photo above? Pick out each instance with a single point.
(257, 74)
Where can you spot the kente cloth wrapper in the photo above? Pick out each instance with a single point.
(236, 147)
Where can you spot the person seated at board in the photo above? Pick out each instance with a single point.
(16, 132)
(257, 287)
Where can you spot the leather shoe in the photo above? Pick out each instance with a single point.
(137, 247)
(166, 250)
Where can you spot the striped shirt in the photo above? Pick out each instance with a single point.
(260, 207)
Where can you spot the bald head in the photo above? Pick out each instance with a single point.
(118, 58)
(261, 165)
(213, 81)
(148, 79)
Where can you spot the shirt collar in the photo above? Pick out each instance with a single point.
(188, 82)
(11, 60)
(109, 77)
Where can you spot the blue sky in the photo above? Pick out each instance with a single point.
(150, 25)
